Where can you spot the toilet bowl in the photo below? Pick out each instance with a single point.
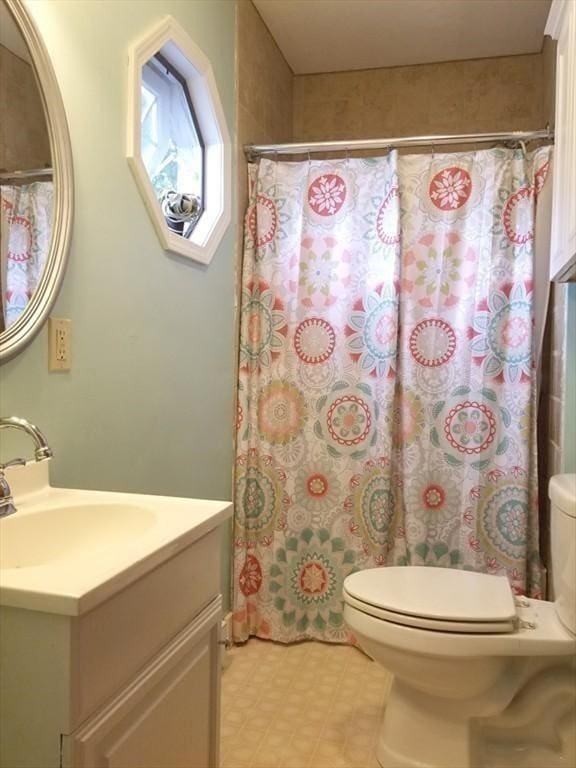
(481, 678)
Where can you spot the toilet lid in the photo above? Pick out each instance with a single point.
(436, 598)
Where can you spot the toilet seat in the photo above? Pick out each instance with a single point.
(422, 622)
(440, 599)
(539, 633)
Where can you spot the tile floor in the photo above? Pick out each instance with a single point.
(308, 705)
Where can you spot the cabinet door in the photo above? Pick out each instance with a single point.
(168, 717)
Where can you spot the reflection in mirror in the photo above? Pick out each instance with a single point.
(172, 145)
(36, 180)
(26, 187)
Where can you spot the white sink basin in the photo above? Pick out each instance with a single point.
(75, 531)
(66, 550)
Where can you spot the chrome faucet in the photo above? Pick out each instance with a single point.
(41, 451)
(41, 448)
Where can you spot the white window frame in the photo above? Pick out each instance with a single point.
(173, 42)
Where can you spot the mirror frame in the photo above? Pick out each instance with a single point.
(21, 333)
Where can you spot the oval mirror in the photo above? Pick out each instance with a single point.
(36, 182)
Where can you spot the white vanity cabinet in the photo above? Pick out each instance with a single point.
(561, 26)
(167, 716)
(131, 683)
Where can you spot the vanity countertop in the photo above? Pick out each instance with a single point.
(67, 550)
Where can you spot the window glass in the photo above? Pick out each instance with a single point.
(171, 145)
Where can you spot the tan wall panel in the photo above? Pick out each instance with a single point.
(264, 84)
(24, 139)
(483, 95)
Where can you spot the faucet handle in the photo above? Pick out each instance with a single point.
(12, 463)
(7, 506)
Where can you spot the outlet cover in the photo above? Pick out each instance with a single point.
(59, 344)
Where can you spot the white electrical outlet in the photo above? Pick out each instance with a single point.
(59, 344)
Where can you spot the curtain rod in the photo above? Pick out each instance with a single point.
(16, 175)
(255, 150)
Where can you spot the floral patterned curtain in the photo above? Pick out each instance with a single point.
(386, 394)
(26, 233)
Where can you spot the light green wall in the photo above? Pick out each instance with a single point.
(147, 406)
(570, 397)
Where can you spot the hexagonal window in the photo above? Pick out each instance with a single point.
(178, 142)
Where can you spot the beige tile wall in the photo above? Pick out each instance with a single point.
(555, 375)
(497, 94)
(263, 90)
(552, 406)
(24, 139)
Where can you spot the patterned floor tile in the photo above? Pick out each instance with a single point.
(307, 705)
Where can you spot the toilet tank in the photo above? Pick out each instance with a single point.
(562, 493)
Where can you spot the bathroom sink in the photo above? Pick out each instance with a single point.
(67, 550)
(71, 531)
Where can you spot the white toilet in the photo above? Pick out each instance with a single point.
(481, 678)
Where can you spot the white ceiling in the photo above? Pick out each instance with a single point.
(335, 35)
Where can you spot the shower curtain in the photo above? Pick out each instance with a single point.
(25, 236)
(386, 392)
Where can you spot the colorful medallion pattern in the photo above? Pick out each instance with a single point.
(261, 498)
(317, 489)
(503, 518)
(327, 194)
(347, 420)
(323, 272)
(314, 340)
(502, 334)
(432, 342)
(450, 188)
(387, 219)
(250, 579)
(263, 326)
(373, 505)
(306, 581)
(22, 237)
(470, 427)
(262, 221)
(439, 270)
(518, 216)
(372, 332)
(434, 495)
(282, 412)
